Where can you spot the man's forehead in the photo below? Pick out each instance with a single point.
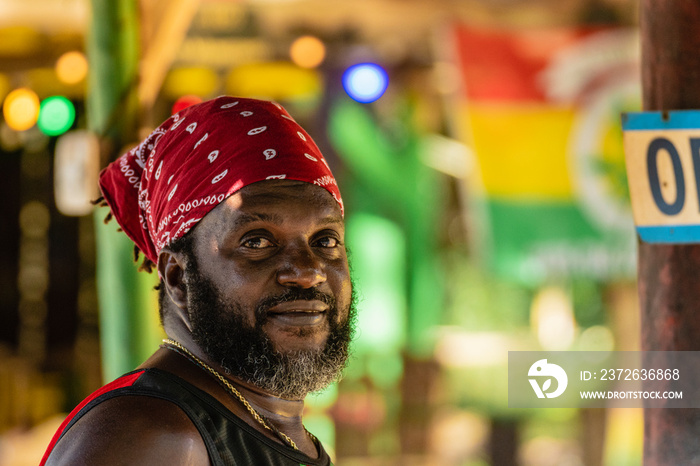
(270, 192)
(276, 200)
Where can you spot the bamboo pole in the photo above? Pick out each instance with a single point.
(112, 113)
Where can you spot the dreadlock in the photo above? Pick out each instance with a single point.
(183, 245)
(146, 265)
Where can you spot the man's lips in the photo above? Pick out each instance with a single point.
(299, 312)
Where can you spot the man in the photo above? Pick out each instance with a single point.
(235, 205)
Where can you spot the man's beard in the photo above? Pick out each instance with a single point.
(246, 351)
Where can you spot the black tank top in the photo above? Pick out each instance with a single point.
(229, 440)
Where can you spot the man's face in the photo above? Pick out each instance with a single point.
(269, 292)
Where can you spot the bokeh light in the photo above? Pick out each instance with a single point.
(21, 109)
(5, 85)
(552, 317)
(365, 82)
(56, 115)
(71, 67)
(18, 41)
(307, 52)
(193, 80)
(275, 81)
(184, 102)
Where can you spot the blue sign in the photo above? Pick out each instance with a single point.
(662, 153)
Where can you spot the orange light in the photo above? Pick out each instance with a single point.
(71, 67)
(21, 109)
(307, 52)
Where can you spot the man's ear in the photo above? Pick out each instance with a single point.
(171, 267)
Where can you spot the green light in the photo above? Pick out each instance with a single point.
(56, 115)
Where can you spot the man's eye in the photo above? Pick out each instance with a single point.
(258, 243)
(328, 242)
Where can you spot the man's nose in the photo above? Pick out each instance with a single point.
(301, 268)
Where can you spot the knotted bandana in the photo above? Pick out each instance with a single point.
(160, 189)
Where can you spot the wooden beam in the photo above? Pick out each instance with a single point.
(169, 21)
(669, 275)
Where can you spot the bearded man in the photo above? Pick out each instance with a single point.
(236, 207)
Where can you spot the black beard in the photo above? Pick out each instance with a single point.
(246, 352)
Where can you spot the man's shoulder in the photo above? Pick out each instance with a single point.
(131, 429)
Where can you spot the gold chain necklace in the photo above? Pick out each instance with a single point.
(174, 345)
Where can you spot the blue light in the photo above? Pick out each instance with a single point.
(365, 82)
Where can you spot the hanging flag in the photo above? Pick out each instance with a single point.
(541, 109)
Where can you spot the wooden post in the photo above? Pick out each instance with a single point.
(669, 275)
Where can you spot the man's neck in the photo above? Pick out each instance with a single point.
(268, 405)
(284, 414)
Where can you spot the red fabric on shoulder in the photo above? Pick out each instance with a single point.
(123, 381)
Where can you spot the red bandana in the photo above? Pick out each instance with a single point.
(197, 158)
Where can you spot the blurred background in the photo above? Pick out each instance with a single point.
(478, 147)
